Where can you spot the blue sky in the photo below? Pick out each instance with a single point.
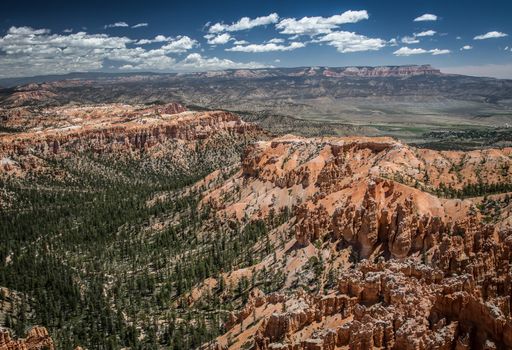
(48, 37)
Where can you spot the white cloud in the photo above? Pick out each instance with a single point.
(426, 17)
(490, 35)
(393, 42)
(266, 47)
(244, 23)
(161, 38)
(116, 25)
(414, 38)
(346, 42)
(138, 25)
(319, 25)
(466, 47)
(220, 39)
(425, 33)
(26, 51)
(68, 30)
(140, 59)
(276, 41)
(180, 44)
(240, 42)
(196, 62)
(27, 39)
(28, 31)
(406, 51)
(437, 52)
(409, 40)
(277, 60)
(157, 39)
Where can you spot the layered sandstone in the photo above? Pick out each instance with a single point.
(412, 269)
(37, 338)
(385, 71)
(111, 128)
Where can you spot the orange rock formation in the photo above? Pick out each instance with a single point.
(37, 339)
(425, 272)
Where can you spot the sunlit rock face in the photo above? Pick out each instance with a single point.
(37, 338)
(414, 269)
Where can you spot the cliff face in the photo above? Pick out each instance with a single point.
(386, 304)
(112, 129)
(386, 71)
(401, 266)
(356, 179)
(37, 338)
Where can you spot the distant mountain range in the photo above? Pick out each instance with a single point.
(18, 81)
(335, 72)
(400, 101)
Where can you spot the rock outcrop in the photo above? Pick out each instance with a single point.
(386, 305)
(386, 71)
(114, 128)
(412, 268)
(37, 338)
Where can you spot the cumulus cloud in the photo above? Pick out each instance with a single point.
(240, 42)
(425, 33)
(196, 62)
(26, 39)
(27, 51)
(68, 30)
(276, 41)
(244, 23)
(414, 38)
(116, 25)
(406, 51)
(140, 59)
(437, 52)
(268, 47)
(466, 47)
(409, 40)
(346, 42)
(319, 25)
(180, 44)
(220, 39)
(26, 31)
(157, 39)
(393, 42)
(426, 17)
(138, 25)
(490, 35)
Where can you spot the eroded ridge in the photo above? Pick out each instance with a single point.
(387, 246)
